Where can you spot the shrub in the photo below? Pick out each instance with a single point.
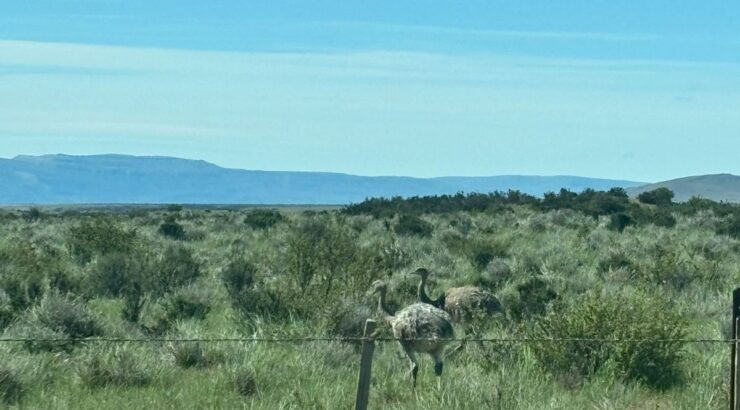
(154, 318)
(133, 303)
(496, 273)
(114, 273)
(409, 225)
(173, 230)
(664, 218)
(322, 254)
(33, 214)
(619, 221)
(261, 302)
(615, 260)
(38, 338)
(189, 355)
(730, 226)
(64, 315)
(621, 317)
(238, 275)
(482, 253)
(117, 368)
(6, 310)
(660, 197)
(535, 295)
(263, 218)
(389, 257)
(11, 387)
(175, 208)
(23, 270)
(346, 319)
(189, 302)
(177, 267)
(245, 382)
(99, 236)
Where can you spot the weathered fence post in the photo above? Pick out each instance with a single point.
(366, 366)
(734, 402)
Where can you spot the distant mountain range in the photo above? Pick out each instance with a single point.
(121, 179)
(718, 187)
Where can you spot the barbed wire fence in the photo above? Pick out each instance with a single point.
(369, 340)
(309, 339)
(368, 346)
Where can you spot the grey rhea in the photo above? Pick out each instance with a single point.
(462, 303)
(419, 328)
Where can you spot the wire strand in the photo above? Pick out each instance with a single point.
(308, 339)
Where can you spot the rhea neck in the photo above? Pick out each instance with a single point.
(424, 298)
(383, 308)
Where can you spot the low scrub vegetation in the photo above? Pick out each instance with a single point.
(618, 272)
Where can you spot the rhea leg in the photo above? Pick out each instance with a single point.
(438, 366)
(412, 359)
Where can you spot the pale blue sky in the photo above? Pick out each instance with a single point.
(631, 90)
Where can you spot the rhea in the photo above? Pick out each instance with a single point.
(419, 328)
(464, 304)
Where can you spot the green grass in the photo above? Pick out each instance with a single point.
(573, 254)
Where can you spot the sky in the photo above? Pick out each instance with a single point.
(638, 90)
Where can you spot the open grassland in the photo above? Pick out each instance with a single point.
(241, 273)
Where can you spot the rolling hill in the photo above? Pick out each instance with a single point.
(116, 179)
(717, 187)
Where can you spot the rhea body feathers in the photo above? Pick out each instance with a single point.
(462, 303)
(419, 328)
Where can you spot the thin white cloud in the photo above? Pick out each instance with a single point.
(524, 34)
(379, 64)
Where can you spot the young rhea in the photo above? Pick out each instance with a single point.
(419, 328)
(463, 303)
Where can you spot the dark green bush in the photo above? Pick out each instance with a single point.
(189, 302)
(245, 382)
(238, 275)
(24, 267)
(11, 386)
(154, 318)
(115, 272)
(99, 236)
(660, 197)
(535, 295)
(133, 302)
(323, 256)
(481, 253)
(409, 225)
(177, 267)
(69, 316)
(174, 208)
(664, 218)
(265, 303)
(38, 338)
(615, 317)
(619, 221)
(263, 218)
(33, 214)
(173, 230)
(189, 355)
(730, 226)
(7, 313)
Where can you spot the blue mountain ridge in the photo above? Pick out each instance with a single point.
(123, 179)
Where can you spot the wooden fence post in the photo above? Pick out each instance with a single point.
(734, 402)
(366, 366)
